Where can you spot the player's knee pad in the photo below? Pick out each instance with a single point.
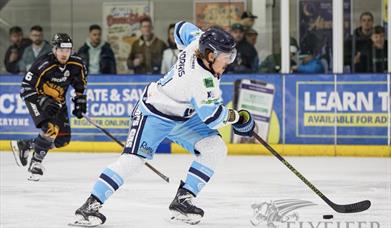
(127, 165)
(62, 141)
(50, 130)
(41, 146)
(212, 151)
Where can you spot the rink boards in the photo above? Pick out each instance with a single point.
(327, 115)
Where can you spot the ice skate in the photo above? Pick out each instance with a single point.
(21, 150)
(183, 210)
(36, 170)
(88, 214)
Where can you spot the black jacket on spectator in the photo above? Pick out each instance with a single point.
(375, 60)
(246, 60)
(107, 63)
(358, 42)
(12, 67)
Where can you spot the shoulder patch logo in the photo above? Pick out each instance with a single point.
(208, 82)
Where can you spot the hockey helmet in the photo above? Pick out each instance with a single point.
(220, 42)
(62, 40)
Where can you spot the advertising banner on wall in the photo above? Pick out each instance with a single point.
(121, 26)
(110, 104)
(348, 109)
(218, 12)
(318, 109)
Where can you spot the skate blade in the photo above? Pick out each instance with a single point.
(191, 219)
(15, 152)
(81, 222)
(34, 177)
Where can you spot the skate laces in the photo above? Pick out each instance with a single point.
(38, 166)
(186, 198)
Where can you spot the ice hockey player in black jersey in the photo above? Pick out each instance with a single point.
(44, 90)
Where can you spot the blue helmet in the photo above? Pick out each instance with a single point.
(216, 40)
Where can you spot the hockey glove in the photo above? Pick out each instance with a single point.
(80, 105)
(245, 124)
(49, 105)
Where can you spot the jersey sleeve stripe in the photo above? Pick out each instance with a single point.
(178, 28)
(215, 116)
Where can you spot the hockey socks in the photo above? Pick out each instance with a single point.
(109, 181)
(114, 175)
(197, 176)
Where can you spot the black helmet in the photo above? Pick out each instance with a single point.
(62, 40)
(216, 39)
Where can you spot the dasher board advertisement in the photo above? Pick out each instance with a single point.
(256, 97)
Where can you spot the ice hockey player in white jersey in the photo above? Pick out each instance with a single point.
(186, 107)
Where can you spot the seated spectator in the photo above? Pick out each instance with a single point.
(247, 20)
(272, 63)
(375, 60)
(97, 54)
(251, 36)
(354, 44)
(311, 64)
(147, 51)
(15, 50)
(170, 55)
(38, 48)
(246, 60)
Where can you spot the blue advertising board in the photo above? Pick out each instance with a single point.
(310, 109)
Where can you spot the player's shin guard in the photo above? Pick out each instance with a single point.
(113, 176)
(197, 177)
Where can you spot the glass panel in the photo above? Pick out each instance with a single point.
(365, 46)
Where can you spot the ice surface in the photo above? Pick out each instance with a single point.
(241, 181)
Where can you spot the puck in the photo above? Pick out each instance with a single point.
(328, 216)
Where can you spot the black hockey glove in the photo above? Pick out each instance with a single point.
(80, 105)
(245, 124)
(49, 105)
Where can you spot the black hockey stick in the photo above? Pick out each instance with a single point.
(348, 208)
(164, 177)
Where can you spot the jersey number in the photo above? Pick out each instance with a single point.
(29, 76)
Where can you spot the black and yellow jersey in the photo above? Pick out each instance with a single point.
(47, 77)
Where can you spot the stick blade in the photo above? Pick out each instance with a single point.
(352, 208)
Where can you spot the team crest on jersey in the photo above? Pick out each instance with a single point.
(144, 148)
(208, 83)
(67, 73)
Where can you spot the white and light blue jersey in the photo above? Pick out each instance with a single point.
(189, 88)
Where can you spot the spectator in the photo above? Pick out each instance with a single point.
(38, 48)
(247, 20)
(311, 64)
(375, 61)
(354, 44)
(147, 51)
(251, 36)
(272, 63)
(170, 55)
(15, 50)
(97, 54)
(247, 57)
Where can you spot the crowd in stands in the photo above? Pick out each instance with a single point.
(365, 50)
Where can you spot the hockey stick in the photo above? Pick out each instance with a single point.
(347, 208)
(164, 177)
